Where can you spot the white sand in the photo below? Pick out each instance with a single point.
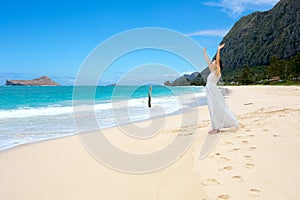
(260, 160)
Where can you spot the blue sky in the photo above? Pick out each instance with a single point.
(54, 37)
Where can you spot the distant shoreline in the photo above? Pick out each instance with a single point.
(41, 81)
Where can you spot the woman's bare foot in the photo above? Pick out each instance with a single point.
(213, 132)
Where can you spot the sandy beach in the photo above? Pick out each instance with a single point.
(259, 160)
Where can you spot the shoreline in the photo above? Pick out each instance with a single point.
(61, 168)
(200, 102)
(45, 120)
(225, 90)
(176, 113)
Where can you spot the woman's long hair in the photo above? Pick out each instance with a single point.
(221, 65)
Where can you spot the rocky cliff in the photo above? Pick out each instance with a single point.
(254, 40)
(258, 36)
(187, 79)
(42, 81)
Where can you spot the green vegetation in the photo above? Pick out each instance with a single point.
(279, 72)
(261, 48)
(255, 38)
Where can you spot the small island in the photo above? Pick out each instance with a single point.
(42, 81)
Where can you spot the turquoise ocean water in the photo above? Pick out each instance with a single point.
(34, 113)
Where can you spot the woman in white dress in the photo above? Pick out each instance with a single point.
(220, 114)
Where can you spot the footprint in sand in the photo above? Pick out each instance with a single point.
(185, 134)
(245, 141)
(227, 143)
(224, 158)
(182, 130)
(251, 135)
(265, 129)
(210, 181)
(248, 130)
(255, 192)
(242, 126)
(252, 148)
(247, 157)
(238, 136)
(217, 154)
(228, 168)
(237, 179)
(224, 196)
(249, 165)
(235, 149)
(276, 135)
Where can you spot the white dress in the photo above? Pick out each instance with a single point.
(220, 114)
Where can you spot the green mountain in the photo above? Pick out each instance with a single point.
(261, 47)
(255, 38)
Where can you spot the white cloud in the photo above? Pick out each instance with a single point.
(235, 8)
(187, 72)
(210, 32)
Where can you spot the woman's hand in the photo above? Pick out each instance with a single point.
(204, 50)
(221, 46)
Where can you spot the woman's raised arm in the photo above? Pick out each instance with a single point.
(207, 60)
(218, 58)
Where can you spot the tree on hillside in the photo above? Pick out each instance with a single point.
(294, 67)
(274, 68)
(246, 77)
(198, 81)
